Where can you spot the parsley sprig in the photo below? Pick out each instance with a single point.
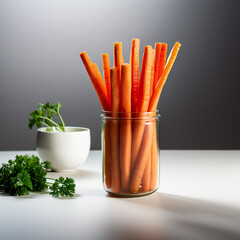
(63, 187)
(44, 114)
(26, 173)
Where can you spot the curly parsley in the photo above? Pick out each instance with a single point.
(26, 173)
(44, 114)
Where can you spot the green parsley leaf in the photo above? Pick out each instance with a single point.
(63, 187)
(44, 114)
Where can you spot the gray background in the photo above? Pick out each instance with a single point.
(40, 42)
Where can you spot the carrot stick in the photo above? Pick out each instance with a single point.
(121, 53)
(115, 90)
(144, 92)
(158, 89)
(106, 74)
(100, 88)
(107, 154)
(142, 159)
(137, 133)
(134, 60)
(107, 150)
(154, 159)
(126, 88)
(118, 59)
(152, 75)
(153, 106)
(143, 100)
(162, 60)
(125, 128)
(97, 80)
(98, 77)
(118, 56)
(158, 47)
(146, 179)
(154, 150)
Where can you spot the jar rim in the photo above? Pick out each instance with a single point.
(130, 115)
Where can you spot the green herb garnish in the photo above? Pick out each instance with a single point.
(44, 114)
(63, 187)
(26, 173)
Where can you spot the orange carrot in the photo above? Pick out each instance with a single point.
(146, 179)
(154, 159)
(106, 74)
(134, 60)
(137, 133)
(118, 56)
(143, 101)
(126, 88)
(144, 92)
(121, 53)
(158, 89)
(152, 75)
(157, 63)
(107, 154)
(162, 60)
(115, 175)
(118, 59)
(125, 128)
(115, 89)
(108, 143)
(154, 150)
(141, 159)
(97, 80)
(98, 77)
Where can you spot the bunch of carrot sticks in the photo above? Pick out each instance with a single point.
(130, 97)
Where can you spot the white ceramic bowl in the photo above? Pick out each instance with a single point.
(65, 150)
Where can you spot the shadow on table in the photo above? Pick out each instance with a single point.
(200, 217)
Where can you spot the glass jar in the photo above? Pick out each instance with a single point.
(130, 153)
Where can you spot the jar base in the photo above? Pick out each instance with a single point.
(129, 195)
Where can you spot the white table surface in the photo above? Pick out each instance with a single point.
(198, 199)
